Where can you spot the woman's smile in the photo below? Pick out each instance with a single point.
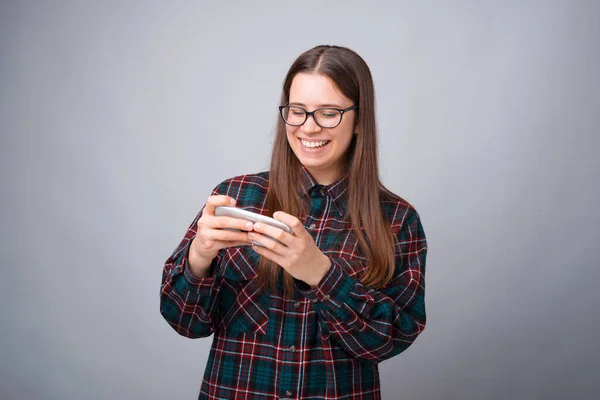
(314, 144)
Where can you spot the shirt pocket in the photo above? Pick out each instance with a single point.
(249, 310)
(344, 247)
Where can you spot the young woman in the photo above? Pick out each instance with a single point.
(307, 314)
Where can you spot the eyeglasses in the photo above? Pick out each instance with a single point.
(324, 117)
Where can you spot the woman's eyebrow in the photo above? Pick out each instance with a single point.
(325, 105)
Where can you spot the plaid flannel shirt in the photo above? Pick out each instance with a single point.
(322, 343)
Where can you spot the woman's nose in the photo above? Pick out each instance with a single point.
(310, 126)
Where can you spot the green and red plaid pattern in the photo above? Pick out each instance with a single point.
(322, 343)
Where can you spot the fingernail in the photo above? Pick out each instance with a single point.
(249, 225)
(276, 214)
(251, 235)
(232, 202)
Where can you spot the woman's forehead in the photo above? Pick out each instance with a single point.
(317, 90)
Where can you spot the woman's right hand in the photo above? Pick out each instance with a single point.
(212, 236)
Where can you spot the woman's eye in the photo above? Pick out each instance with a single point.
(329, 114)
(297, 113)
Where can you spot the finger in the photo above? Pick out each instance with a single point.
(232, 244)
(294, 223)
(217, 200)
(267, 242)
(222, 235)
(273, 232)
(228, 223)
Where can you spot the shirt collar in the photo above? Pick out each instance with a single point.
(336, 190)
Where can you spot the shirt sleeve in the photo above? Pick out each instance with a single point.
(375, 325)
(188, 303)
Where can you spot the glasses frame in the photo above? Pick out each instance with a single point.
(312, 114)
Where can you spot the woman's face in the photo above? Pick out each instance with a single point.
(320, 150)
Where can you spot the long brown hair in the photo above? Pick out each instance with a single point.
(353, 78)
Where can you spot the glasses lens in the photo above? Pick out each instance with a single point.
(293, 115)
(328, 117)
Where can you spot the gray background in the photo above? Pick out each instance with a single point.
(116, 124)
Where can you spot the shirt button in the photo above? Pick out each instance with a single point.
(288, 393)
(312, 226)
(326, 297)
(296, 304)
(314, 300)
(292, 349)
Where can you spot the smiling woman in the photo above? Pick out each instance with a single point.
(307, 314)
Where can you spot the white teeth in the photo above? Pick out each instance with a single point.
(314, 144)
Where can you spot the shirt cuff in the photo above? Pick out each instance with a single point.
(333, 290)
(191, 283)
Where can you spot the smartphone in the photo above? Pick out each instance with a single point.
(234, 212)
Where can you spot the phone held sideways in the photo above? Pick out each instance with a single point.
(239, 213)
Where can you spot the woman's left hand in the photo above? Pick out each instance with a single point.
(296, 253)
